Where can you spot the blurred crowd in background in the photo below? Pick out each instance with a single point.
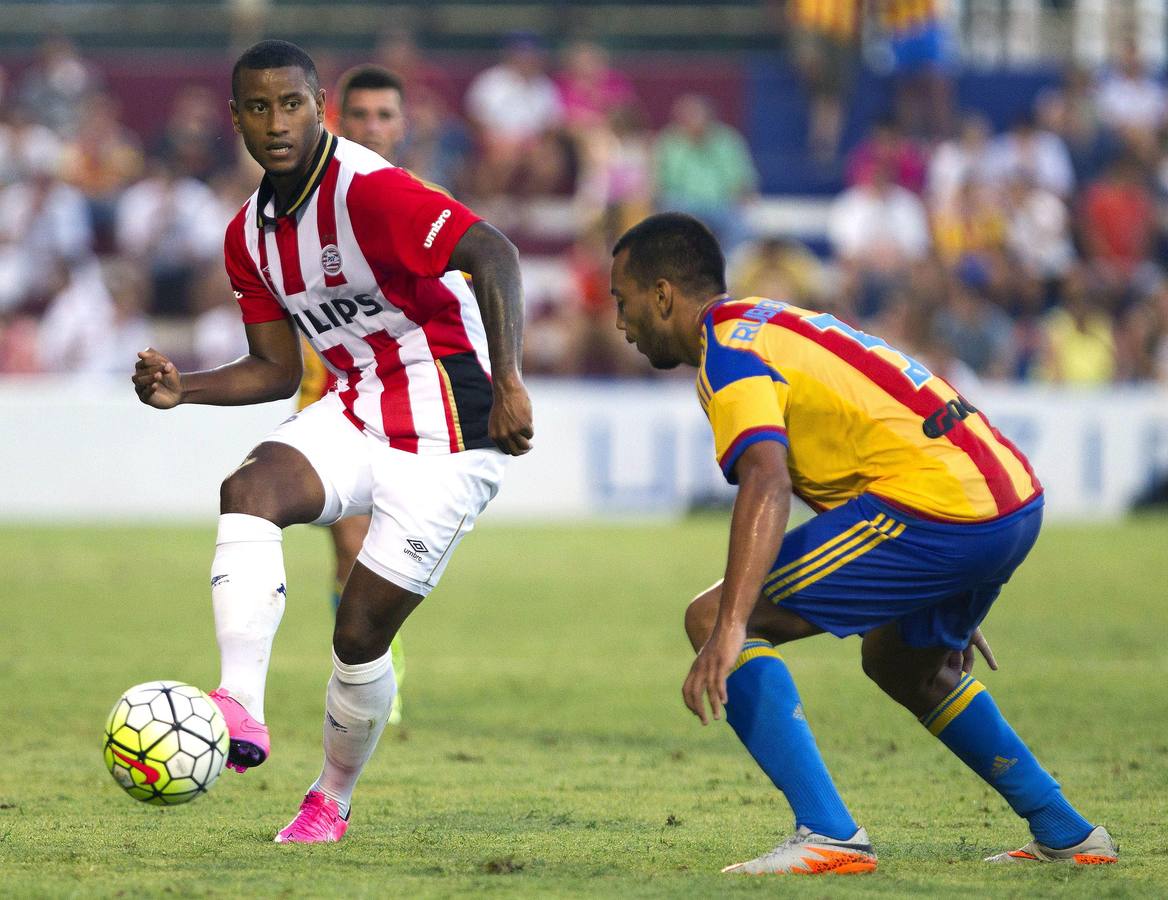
(1038, 253)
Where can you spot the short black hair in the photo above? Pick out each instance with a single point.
(678, 248)
(368, 77)
(274, 55)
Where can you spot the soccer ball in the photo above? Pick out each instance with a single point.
(165, 742)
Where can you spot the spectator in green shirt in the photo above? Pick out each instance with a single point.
(703, 168)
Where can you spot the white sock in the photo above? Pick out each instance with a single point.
(247, 593)
(356, 706)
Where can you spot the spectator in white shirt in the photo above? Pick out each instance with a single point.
(96, 323)
(512, 105)
(877, 224)
(958, 161)
(1129, 99)
(44, 227)
(172, 224)
(877, 229)
(1038, 230)
(23, 143)
(1028, 152)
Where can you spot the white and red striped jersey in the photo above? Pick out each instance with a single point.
(359, 261)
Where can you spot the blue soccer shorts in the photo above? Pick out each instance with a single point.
(866, 563)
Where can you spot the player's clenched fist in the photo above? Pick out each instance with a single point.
(156, 380)
(510, 423)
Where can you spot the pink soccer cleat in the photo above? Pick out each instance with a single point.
(318, 822)
(250, 744)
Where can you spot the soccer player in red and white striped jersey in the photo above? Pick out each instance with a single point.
(370, 114)
(365, 261)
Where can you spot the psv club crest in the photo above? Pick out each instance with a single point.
(330, 259)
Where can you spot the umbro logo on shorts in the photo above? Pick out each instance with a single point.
(415, 547)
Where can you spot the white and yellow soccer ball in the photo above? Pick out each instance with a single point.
(165, 742)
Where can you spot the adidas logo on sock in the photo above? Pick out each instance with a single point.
(1002, 766)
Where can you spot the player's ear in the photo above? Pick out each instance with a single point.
(320, 105)
(663, 297)
(234, 116)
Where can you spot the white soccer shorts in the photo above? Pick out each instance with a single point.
(421, 506)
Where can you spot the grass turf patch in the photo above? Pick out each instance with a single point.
(545, 750)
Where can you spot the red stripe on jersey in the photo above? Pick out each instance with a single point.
(730, 309)
(445, 331)
(1009, 445)
(289, 249)
(340, 358)
(326, 220)
(264, 269)
(257, 302)
(396, 414)
(923, 402)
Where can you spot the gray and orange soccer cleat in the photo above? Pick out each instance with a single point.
(250, 743)
(807, 853)
(1094, 850)
(319, 821)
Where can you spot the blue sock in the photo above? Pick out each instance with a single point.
(968, 723)
(765, 712)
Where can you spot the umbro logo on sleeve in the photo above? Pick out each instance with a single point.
(435, 227)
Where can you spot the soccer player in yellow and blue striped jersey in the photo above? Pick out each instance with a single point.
(924, 512)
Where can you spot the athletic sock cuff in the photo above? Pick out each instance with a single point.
(953, 705)
(242, 528)
(362, 673)
(753, 649)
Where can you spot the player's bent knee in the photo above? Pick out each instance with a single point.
(275, 483)
(242, 493)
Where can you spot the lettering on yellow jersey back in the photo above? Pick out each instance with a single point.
(755, 318)
(914, 371)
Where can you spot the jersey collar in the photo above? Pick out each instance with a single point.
(708, 307)
(325, 149)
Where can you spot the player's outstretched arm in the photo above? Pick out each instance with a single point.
(757, 525)
(493, 265)
(270, 371)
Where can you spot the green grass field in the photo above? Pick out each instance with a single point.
(545, 750)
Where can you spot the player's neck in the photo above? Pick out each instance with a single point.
(288, 186)
(692, 338)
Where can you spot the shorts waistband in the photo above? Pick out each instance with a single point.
(898, 512)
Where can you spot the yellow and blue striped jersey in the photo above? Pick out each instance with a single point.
(857, 416)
